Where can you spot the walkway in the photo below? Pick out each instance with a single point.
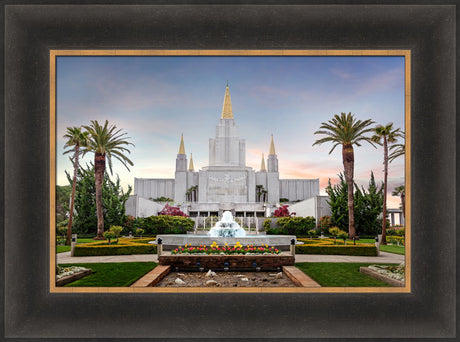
(384, 258)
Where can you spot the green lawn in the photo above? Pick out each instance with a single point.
(386, 248)
(121, 274)
(60, 249)
(338, 274)
(393, 249)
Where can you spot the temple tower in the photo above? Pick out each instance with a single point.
(273, 177)
(180, 184)
(227, 149)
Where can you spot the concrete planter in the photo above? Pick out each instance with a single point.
(234, 261)
(381, 277)
(71, 278)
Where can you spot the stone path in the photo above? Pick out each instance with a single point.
(384, 258)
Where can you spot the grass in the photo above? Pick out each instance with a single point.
(338, 274)
(393, 249)
(61, 249)
(120, 274)
(386, 248)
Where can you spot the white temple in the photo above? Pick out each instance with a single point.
(226, 183)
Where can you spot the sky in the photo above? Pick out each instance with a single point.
(156, 99)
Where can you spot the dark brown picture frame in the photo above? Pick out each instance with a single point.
(31, 31)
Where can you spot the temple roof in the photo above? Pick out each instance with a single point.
(227, 112)
(181, 147)
(272, 147)
(190, 165)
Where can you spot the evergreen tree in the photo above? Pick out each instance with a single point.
(113, 199)
(368, 206)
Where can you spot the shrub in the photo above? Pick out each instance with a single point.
(172, 211)
(116, 230)
(294, 226)
(139, 231)
(164, 224)
(267, 224)
(283, 199)
(124, 247)
(109, 235)
(283, 211)
(397, 240)
(334, 231)
(325, 222)
(330, 247)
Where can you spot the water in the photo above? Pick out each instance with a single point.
(227, 227)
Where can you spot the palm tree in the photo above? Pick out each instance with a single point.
(389, 136)
(259, 189)
(397, 150)
(347, 131)
(76, 139)
(106, 142)
(401, 192)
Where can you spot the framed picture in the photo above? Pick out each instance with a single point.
(197, 31)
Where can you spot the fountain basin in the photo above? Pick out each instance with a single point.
(170, 241)
(232, 262)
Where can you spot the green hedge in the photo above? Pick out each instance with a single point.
(291, 226)
(164, 224)
(337, 247)
(362, 250)
(123, 247)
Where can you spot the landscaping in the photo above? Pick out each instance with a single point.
(112, 274)
(124, 246)
(226, 249)
(334, 247)
(337, 274)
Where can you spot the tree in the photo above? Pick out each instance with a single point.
(105, 142)
(397, 150)
(259, 189)
(401, 192)
(113, 198)
(346, 130)
(385, 135)
(368, 206)
(62, 204)
(76, 139)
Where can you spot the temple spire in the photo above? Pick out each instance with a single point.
(262, 164)
(190, 165)
(181, 147)
(272, 147)
(227, 112)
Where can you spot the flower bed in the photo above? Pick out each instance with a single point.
(215, 249)
(124, 246)
(65, 275)
(394, 272)
(334, 247)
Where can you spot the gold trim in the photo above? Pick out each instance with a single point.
(55, 53)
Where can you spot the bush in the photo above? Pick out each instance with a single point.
(267, 224)
(109, 235)
(396, 240)
(172, 211)
(163, 224)
(327, 247)
(124, 247)
(292, 226)
(283, 211)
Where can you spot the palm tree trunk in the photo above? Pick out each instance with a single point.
(403, 205)
(349, 165)
(72, 198)
(385, 177)
(99, 170)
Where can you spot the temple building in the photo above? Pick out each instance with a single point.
(226, 183)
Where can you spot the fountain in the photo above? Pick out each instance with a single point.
(227, 227)
(226, 231)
